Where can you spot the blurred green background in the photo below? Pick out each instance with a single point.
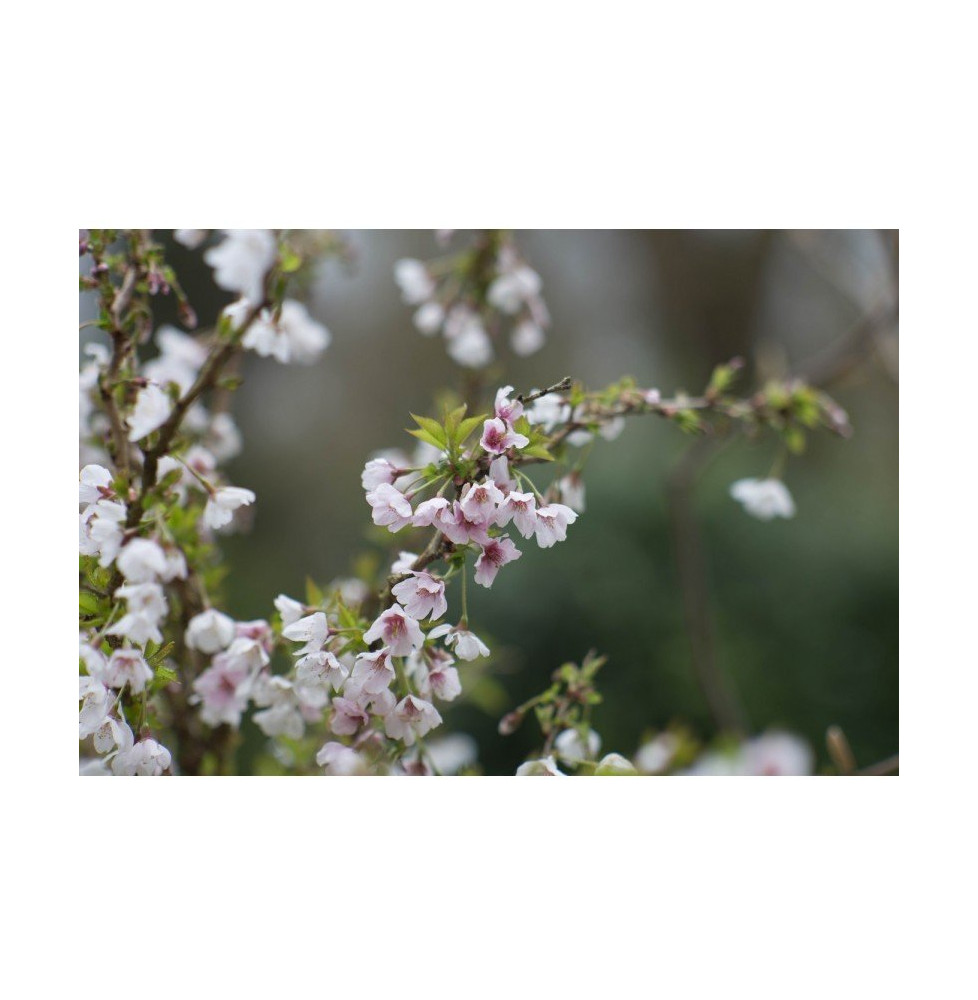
(805, 611)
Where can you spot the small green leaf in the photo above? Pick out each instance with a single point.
(423, 435)
(433, 428)
(467, 426)
(314, 595)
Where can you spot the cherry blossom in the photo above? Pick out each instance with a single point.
(499, 474)
(470, 346)
(223, 690)
(378, 471)
(398, 630)
(413, 279)
(449, 754)
(442, 679)
(764, 499)
(94, 484)
(411, 718)
(460, 529)
(151, 411)
(498, 436)
(545, 767)
(614, 764)
(147, 757)
(289, 609)
(495, 555)
(507, 409)
(433, 512)
(521, 508)
(242, 260)
(468, 646)
(527, 338)
(776, 754)
(312, 630)
(180, 359)
(571, 489)
(292, 335)
(347, 717)
(190, 238)
(210, 631)
(373, 672)
(128, 666)
(552, 522)
(146, 607)
(405, 560)
(340, 760)
(654, 756)
(102, 530)
(222, 504)
(321, 669)
(422, 595)
(479, 501)
(429, 318)
(390, 507)
(283, 717)
(549, 411)
(141, 560)
(570, 746)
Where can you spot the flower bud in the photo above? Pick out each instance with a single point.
(508, 724)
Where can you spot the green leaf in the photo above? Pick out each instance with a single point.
(538, 451)
(453, 419)
(433, 428)
(162, 677)
(314, 595)
(157, 658)
(467, 426)
(428, 439)
(88, 604)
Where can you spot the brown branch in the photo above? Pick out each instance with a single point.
(206, 379)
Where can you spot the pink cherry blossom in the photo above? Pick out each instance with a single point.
(496, 554)
(498, 436)
(223, 690)
(468, 646)
(412, 717)
(430, 512)
(340, 760)
(390, 507)
(347, 717)
(508, 409)
(521, 509)
(322, 668)
(460, 529)
(398, 630)
(422, 594)
(443, 678)
(552, 522)
(499, 474)
(377, 472)
(373, 672)
(479, 501)
(127, 666)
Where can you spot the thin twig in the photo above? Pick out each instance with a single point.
(722, 699)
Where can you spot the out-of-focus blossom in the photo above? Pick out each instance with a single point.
(764, 499)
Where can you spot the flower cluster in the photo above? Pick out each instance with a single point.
(471, 296)
(373, 662)
(483, 505)
(151, 496)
